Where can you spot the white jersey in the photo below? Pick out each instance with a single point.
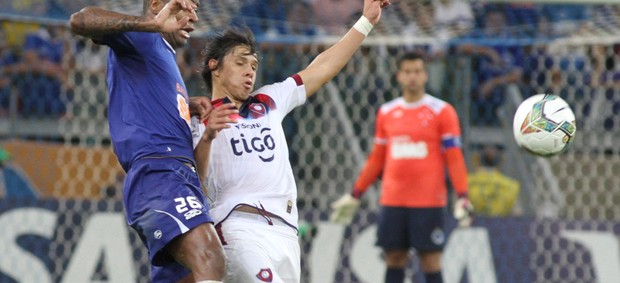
(249, 162)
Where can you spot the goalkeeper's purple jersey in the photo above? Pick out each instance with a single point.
(148, 111)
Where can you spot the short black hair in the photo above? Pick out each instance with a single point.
(222, 43)
(410, 56)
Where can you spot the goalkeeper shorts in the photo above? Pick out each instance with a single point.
(402, 228)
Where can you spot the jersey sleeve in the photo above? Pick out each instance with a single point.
(449, 128)
(380, 134)
(374, 165)
(287, 94)
(452, 147)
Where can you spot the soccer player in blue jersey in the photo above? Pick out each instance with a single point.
(249, 176)
(149, 117)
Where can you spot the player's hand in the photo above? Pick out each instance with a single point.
(171, 18)
(219, 118)
(344, 209)
(200, 106)
(372, 9)
(463, 211)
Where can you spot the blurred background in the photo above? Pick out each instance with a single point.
(550, 220)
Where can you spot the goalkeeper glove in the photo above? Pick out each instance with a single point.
(344, 209)
(463, 211)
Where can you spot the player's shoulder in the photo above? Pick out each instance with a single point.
(391, 105)
(288, 83)
(133, 40)
(436, 104)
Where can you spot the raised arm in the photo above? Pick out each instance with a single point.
(327, 64)
(94, 22)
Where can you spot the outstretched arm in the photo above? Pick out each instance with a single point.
(327, 64)
(94, 22)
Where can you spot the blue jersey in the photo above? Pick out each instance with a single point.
(148, 111)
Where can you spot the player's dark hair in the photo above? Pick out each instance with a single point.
(411, 56)
(222, 43)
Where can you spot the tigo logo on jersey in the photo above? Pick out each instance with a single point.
(264, 145)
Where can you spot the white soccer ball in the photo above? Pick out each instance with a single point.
(544, 124)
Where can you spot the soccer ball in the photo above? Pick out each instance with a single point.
(544, 125)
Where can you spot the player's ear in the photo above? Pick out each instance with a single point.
(399, 76)
(212, 64)
(155, 6)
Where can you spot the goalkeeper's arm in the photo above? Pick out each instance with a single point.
(346, 206)
(463, 210)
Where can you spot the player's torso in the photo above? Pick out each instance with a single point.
(413, 134)
(251, 157)
(414, 168)
(249, 161)
(148, 112)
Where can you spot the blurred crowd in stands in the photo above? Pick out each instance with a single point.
(510, 43)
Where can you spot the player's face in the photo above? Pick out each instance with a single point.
(238, 72)
(179, 38)
(412, 76)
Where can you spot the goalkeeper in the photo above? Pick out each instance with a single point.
(417, 137)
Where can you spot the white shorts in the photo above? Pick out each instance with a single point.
(259, 252)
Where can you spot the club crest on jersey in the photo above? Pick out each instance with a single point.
(265, 275)
(424, 117)
(257, 109)
(398, 114)
(257, 106)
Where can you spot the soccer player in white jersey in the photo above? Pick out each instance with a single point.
(249, 175)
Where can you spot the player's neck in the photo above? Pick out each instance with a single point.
(219, 93)
(413, 97)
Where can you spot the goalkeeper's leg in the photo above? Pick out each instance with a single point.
(431, 266)
(392, 236)
(396, 262)
(428, 238)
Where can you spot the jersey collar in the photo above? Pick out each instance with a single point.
(169, 46)
(255, 106)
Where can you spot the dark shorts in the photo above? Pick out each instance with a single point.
(163, 200)
(401, 228)
(169, 272)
